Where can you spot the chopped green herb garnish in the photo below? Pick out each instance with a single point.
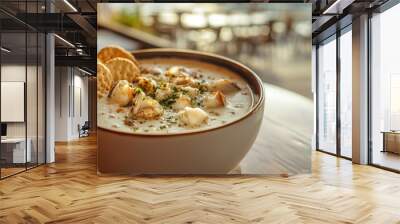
(139, 90)
(169, 100)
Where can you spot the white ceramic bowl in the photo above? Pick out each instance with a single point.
(216, 150)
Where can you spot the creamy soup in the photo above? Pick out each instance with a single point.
(175, 95)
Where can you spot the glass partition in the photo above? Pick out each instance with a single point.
(22, 91)
(14, 153)
(327, 96)
(31, 97)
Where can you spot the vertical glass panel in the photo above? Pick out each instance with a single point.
(346, 94)
(31, 98)
(32, 88)
(327, 96)
(386, 89)
(41, 98)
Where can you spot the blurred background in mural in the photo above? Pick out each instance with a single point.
(272, 39)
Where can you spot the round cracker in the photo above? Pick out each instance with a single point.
(123, 69)
(111, 52)
(104, 80)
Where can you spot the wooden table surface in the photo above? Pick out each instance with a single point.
(283, 145)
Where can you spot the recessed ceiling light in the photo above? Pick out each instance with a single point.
(5, 50)
(65, 41)
(70, 5)
(84, 71)
(337, 7)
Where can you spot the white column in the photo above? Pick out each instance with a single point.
(50, 92)
(360, 90)
(50, 99)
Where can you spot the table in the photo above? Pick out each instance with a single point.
(13, 150)
(284, 143)
(391, 141)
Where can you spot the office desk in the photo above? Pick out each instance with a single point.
(13, 150)
(391, 141)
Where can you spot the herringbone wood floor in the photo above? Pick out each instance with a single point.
(69, 191)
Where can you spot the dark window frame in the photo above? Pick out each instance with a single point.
(334, 37)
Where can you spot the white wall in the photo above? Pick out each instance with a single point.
(69, 82)
(34, 125)
(14, 73)
(17, 73)
(62, 81)
(81, 84)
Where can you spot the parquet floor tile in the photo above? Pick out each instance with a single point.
(70, 191)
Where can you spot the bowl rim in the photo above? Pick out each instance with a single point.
(255, 106)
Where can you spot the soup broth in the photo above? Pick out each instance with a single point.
(175, 95)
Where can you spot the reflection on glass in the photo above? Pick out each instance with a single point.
(386, 89)
(327, 96)
(345, 94)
